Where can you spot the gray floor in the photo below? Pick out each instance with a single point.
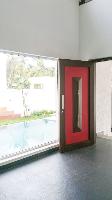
(84, 174)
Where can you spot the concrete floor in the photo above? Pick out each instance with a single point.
(84, 174)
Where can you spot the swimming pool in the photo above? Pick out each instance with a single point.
(25, 135)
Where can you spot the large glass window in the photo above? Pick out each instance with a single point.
(28, 102)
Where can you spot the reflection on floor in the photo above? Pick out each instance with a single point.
(84, 174)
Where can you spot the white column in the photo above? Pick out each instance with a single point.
(103, 97)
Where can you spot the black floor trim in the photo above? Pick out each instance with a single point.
(27, 160)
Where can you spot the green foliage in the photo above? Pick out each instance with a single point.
(33, 116)
(43, 113)
(19, 72)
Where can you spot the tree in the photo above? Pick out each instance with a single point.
(17, 74)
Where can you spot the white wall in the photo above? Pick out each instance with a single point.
(96, 29)
(103, 97)
(42, 27)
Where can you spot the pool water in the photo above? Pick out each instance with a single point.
(24, 135)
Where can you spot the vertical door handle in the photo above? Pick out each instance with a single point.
(62, 102)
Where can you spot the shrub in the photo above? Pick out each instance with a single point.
(42, 113)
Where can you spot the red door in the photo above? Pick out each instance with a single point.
(77, 104)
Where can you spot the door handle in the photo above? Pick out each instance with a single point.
(62, 102)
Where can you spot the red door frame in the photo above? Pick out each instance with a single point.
(91, 108)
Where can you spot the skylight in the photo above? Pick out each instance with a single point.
(83, 1)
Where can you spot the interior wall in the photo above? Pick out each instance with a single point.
(42, 27)
(103, 97)
(96, 29)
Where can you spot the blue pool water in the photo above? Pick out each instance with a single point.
(24, 135)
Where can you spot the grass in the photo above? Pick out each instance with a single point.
(34, 116)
